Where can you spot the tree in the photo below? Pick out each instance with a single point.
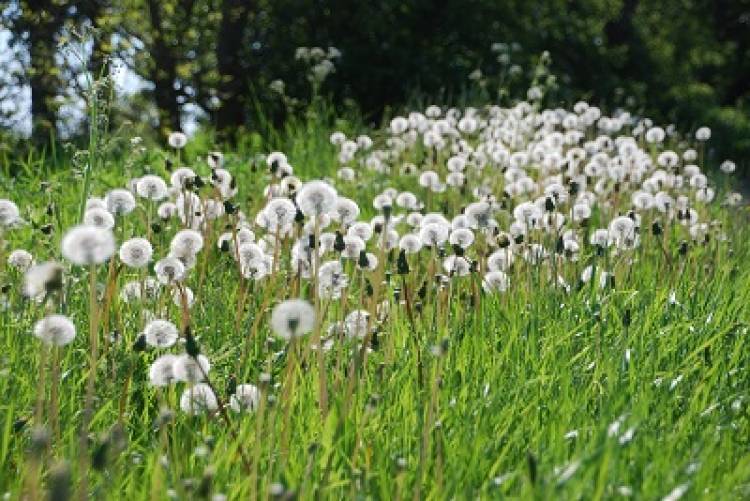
(36, 26)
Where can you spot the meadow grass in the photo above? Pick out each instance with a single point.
(638, 388)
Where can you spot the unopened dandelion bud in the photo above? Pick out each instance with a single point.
(338, 244)
(60, 482)
(229, 207)
(40, 440)
(683, 248)
(231, 384)
(191, 345)
(362, 262)
(549, 204)
(204, 488)
(402, 265)
(531, 466)
(100, 455)
(140, 343)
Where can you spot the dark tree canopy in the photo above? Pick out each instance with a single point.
(220, 61)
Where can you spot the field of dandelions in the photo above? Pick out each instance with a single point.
(465, 303)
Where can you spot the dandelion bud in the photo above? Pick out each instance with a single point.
(40, 440)
(363, 262)
(402, 265)
(549, 204)
(100, 455)
(231, 384)
(531, 465)
(60, 482)
(339, 245)
(683, 248)
(140, 343)
(191, 345)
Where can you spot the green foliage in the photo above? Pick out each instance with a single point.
(538, 395)
(680, 61)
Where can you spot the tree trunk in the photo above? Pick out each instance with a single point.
(44, 79)
(232, 88)
(164, 75)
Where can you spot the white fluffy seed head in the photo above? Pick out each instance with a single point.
(87, 245)
(168, 270)
(120, 202)
(177, 140)
(198, 399)
(136, 252)
(41, 278)
(191, 370)
(245, 399)
(495, 281)
(186, 243)
(161, 372)
(20, 259)
(55, 330)
(316, 198)
(292, 318)
(152, 188)
(99, 217)
(356, 324)
(9, 213)
(161, 333)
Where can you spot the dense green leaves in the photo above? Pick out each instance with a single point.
(682, 61)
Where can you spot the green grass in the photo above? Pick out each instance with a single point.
(541, 393)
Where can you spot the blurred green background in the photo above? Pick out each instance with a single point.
(230, 65)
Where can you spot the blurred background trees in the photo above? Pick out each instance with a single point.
(219, 63)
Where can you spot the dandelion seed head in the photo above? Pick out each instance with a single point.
(99, 217)
(292, 318)
(161, 371)
(161, 333)
(190, 369)
(136, 252)
(20, 259)
(9, 213)
(177, 140)
(87, 245)
(198, 399)
(120, 202)
(245, 398)
(55, 330)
